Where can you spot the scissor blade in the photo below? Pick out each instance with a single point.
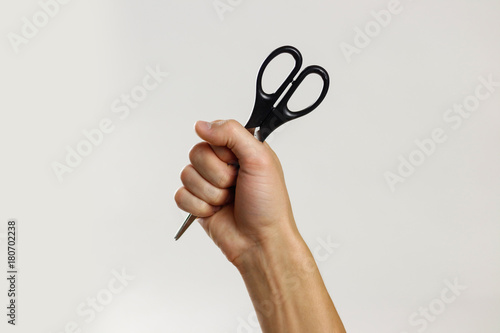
(190, 219)
(258, 134)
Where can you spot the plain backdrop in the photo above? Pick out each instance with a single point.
(390, 253)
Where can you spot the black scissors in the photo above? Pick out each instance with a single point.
(267, 115)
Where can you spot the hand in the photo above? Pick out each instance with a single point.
(247, 212)
(241, 207)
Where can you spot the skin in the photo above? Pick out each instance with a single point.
(235, 184)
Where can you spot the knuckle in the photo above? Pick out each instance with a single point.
(224, 180)
(178, 196)
(196, 151)
(185, 173)
(218, 197)
(212, 193)
(232, 126)
(231, 123)
(221, 198)
(205, 210)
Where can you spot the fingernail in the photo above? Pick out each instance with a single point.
(205, 124)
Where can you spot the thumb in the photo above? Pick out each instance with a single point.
(230, 134)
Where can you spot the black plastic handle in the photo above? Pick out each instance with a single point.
(282, 114)
(264, 102)
(283, 105)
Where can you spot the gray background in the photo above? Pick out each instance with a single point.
(393, 250)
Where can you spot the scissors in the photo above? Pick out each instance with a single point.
(267, 114)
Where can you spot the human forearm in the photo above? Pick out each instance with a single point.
(286, 287)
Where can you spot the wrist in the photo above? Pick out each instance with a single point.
(280, 277)
(276, 252)
(285, 285)
(275, 269)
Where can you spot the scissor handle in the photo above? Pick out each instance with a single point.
(282, 114)
(283, 104)
(265, 101)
